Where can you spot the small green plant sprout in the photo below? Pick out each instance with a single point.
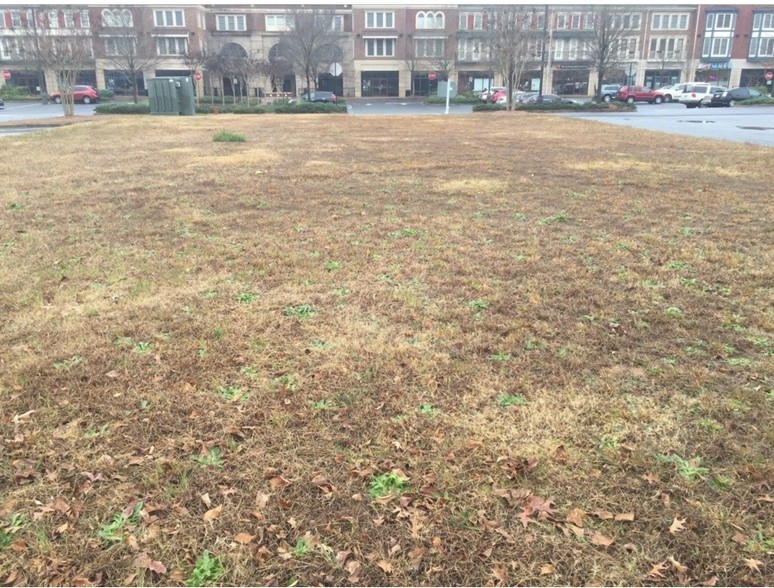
(10, 527)
(428, 409)
(66, 364)
(760, 543)
(687, 231)
(231, 393)
(519, 216)
(249, 371)
(303, 311)
(508, 400)
(227, 137)
(247, 297)
(128, 519)
(673, 312)
(289, 382)
(556, 218)
(213, 457)
(739, 361)
(405, 233)
(207, 571)
(143, 347)
(688, 469)
(323, 404)
(95, 432)
(386, 484)
(676, 264)
(332, 266)
(123, 342)
(501, 356)
(532, 344)
(478, 305)
(301, 548)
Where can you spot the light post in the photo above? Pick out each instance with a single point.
(543, 55)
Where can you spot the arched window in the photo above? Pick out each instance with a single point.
(117, 18)
(429, 20)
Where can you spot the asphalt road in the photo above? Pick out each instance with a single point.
(744, 124)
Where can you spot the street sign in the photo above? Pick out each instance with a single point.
(431, 76)
(198, 76)
(7, 75)
(769, 75)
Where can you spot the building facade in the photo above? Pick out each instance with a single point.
(393, 51)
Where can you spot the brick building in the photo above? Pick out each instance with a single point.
(393, 50)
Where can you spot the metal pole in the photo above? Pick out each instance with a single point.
(543, 55)
(448, 92)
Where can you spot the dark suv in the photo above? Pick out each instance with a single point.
(632, 94)
(316, 96)
(609, 92)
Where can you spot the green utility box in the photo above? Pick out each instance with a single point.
(171, 95)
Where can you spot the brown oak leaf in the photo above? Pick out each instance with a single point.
(677, 526)
(655, 571)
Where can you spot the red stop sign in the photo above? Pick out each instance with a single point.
(431, 76)
(198, 76)
(7, 75)
(769, 75)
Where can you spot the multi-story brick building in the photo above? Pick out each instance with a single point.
(393, 50)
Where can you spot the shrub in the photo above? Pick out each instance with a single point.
(586, 106)
(310, 107)
(106, 94)
(459, 99)
(481, 107)
(763, 100)
(230, 109)
(16, 93)
(227, 137)
(123, 108)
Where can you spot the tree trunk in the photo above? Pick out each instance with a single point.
(600, 77)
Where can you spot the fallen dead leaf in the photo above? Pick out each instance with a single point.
(655, 571)
(547, 569)
(603, 514)
(711, 582)
(244, 538)
(677, 526)
(626, 517)
(739, 538)
(753, 564)
(575, 516)
(680, 569)
(206, 500)
(278, 482)
(599, 539)
(385, 565)
(213, 513)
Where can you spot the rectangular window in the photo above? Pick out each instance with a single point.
(380, 20)
(559, 50)
(720, 47)
(277, 22)
(169, 18)
(674, 22)
(231, 22)
(337, 23)
(576, 22)
(429, 47)
(53, 19)
(115, 46)
(562, 22)
(172, 45)
(85, 23)
(15, 18)
(2, 19)
(69, 20)
(471, 21)
(723, 21)
(766, 48)
(380, 47)
(710, 22)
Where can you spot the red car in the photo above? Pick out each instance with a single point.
(632, 94)
(85, 94)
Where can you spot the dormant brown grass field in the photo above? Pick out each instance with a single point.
(477, 350)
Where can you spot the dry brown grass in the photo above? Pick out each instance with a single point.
(621, 299)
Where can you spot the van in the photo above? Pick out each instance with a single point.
(699, 94)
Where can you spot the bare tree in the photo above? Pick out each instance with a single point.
(509, 41)
(194, 61)
(309, 42)
(65, 56)
(247, 69)
(608, 44)
(130, 48)
(445, 61)
(412, 63)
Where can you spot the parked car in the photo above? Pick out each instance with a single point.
(672, 92)
(85, 94)
(487, 95)
(609, 92)
(699, 94)
(315, 96)
(728, 97)
(546, 99)
(632, 94)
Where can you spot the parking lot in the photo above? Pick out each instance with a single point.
(745, 124)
